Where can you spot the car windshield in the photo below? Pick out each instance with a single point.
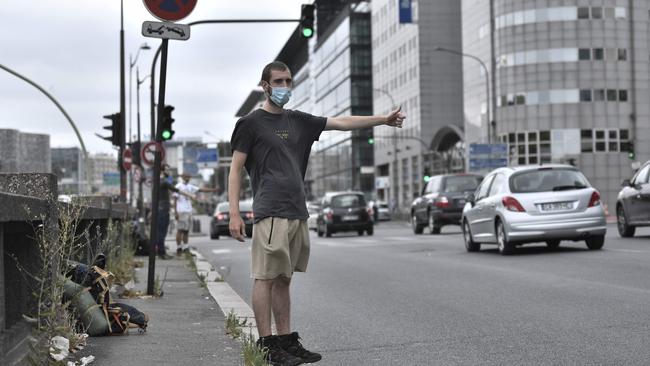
(461, 183)
(547, 180)
(348, 200)
(223, 207)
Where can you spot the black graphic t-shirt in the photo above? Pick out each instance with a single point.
(277, 148)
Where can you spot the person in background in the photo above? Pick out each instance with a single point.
(183, 211)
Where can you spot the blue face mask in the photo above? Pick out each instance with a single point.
(280, 96)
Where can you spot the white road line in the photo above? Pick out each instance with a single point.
(221, 251)
(627, 250)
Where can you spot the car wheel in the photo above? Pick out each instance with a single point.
(595, 242)
(370, 231)
(552, 244)
(320, 233)
(417, 228)
(470, 244)
(505, 247)
(360, 232)
(624, 230)
(433, 228)
(214, 236)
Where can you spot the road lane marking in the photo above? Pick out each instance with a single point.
(221, 251)
(627, 250)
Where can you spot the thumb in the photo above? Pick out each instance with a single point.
(399, 109)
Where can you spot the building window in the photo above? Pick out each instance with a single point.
(584, 54)
(596, 12)
(611, 95)
(583, 13)
(599, 95)
(622, 95)
(622, 54)
(598, 54)
(604, 140)
(585, 95)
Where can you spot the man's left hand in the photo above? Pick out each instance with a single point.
(395, 118)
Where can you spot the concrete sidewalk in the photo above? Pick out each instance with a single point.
(186, 326)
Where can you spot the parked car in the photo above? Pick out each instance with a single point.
(442, 201)
(312, 209)
(633, 203)
(541, 203)
(344, 211)
(383, 211)
(221, 219)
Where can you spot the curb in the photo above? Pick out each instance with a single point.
(227, 299)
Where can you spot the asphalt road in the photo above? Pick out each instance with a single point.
(402, 299)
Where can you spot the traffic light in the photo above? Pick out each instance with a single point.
(166, 131)
(371, 141)
(307, 20)
(426, 175)
(630, 153)
(114, 127)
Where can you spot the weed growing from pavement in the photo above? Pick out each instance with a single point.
(56, 244)
(234, 325)
(119, 247)
(253, 354)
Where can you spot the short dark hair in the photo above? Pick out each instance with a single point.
(275, 65)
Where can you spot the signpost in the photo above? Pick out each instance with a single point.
(148, 153)
(487, 156)
(207, 158)
(170, 11)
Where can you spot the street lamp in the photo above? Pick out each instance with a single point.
(132, 62)
(490, 121)
(395, 170)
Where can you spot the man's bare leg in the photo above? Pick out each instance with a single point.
(281, 304)
(262, 306)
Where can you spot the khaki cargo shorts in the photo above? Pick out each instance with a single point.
(184, 222)
(280, 247)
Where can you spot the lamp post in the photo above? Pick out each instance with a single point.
(132, 62)
(395, 170)
(140, 203)
(490, 121)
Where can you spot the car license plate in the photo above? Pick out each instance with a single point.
(350, 217)
(557, 206)
(460, 203)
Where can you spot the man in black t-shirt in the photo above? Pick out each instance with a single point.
(273, 144)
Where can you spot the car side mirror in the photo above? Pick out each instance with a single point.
(626, 183)
(469, 197)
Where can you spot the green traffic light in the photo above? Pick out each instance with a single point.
(166, 135)
(427, 178)
(307, 32)
(371, 141)
(630, 155)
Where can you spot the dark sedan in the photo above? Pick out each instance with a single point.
(633, 203)
(221, 219)
(442, 201)
(344, 211)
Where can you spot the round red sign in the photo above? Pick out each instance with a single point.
(127, 159)
(170, 10)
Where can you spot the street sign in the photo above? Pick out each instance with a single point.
(180, 32)
(149, 150)
(170, 10)
(127, 159)
(487, 156)
(111, 179)
(137, 174)
(207, 158)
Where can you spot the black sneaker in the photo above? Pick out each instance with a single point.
(291, 344)
(275, 355)
(179, 251)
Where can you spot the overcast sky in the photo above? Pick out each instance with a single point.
(71, 49)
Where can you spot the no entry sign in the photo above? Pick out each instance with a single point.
(127, 159)
(170, 10)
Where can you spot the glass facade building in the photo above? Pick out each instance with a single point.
(570, 81)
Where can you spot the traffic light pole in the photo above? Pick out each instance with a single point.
(122, 107)
(156, 172)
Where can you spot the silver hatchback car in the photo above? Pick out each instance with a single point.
(526, 204)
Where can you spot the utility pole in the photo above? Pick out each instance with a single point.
(122, 112)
